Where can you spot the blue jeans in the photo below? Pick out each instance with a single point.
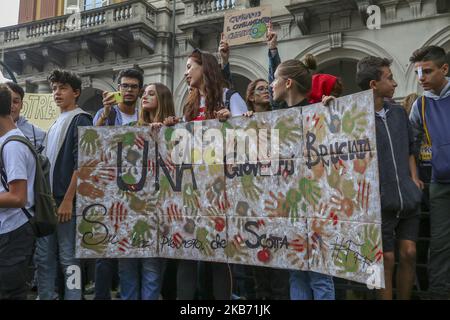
(104, 274)
(62, 242)
(309, 285)
(141, 278)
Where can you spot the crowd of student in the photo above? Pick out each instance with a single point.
(291, 83)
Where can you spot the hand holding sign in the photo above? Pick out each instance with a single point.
(224, 50)
(246, 26)
(272, 37)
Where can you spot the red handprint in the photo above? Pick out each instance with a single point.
(124, 245)
(174, 213)
(117, 214)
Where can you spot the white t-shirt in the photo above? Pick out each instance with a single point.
(381, 113)
(54, 135)
(126, 118)
(237, 105)
(20, 164)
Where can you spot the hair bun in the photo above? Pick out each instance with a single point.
(310, 62)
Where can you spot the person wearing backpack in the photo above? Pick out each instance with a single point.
(16, 234)
(61, 148)
(430, 116)
(32, 132)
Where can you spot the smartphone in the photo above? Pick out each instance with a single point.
(118, 96)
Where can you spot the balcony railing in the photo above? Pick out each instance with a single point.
(203, 7)
(201, 13)
(92, 20)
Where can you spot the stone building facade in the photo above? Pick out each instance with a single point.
(107, 36)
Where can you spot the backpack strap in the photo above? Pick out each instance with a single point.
(4, 178)
(228, 96)
(425, 128)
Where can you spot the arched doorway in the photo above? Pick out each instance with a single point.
(240, 84)
(344, 69)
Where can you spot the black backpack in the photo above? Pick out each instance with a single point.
(228, 96)
(45, 219)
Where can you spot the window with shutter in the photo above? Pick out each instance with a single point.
(27, 11)
(48, 8)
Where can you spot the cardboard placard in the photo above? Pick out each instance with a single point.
(40, 109)
(247, 26)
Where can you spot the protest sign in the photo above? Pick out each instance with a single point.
(40, 110)
(247, 26)
(313, 203)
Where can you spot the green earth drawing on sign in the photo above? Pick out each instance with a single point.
(258, 30)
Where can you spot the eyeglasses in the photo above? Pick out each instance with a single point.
(262, 89)
(126, 86)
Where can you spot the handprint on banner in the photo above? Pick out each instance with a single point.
(89, 142)
(190, 224)
(106, 156)
(288, 131)
(165, 189)
(102, 175)
(190, 196)
(293, 197)
(317, 125)
(310, 191)
(277, 207)
(332, 216)
(298, 244)
(371, 248)
(354, 121)
(117, 215)
(360, 165)
(141, 234)
(124, 246)
(86, 169)
(334, 123)
(217, 195)
(318, 247)
(363, 194)
(217, 219)
(128, 139)
(318, 170)
(251, 191)
(347, 260)
(342, 204)
(202, 236)
(174, 213)
(235, 248)
(89, 190)
(142, 206)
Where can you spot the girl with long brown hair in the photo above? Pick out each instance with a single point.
(207, 100)
(141, 278)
